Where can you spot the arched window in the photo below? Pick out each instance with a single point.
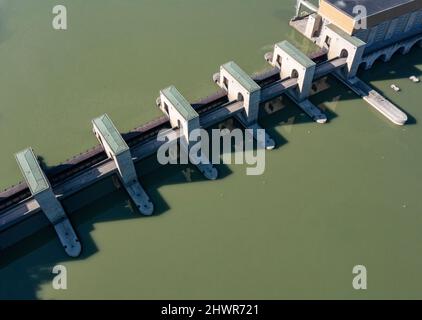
(344, 53)
(279, 61)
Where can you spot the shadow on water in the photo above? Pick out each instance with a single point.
(283, 111)
(51, 169)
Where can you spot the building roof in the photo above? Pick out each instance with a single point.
(340, 12)
(180, 103)
(110, 134)
(31, 170)
(294, 52)
(241, 76)
(373, 7)
(351, 39)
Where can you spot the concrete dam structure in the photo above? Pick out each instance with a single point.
(36, 203)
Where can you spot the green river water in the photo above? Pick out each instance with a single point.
(333, 196)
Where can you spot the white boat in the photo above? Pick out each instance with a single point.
(414, 79)
(395, 88)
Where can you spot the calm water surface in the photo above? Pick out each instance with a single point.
(332, 196)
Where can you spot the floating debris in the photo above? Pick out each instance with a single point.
(415, 79)
(395, 88)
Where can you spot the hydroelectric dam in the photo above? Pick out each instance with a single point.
(36, 203)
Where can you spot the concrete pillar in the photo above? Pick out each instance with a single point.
(341, 45)
(42, 192)
(241, 87)
(116, 149)
(186, 119)
(313, 26)
(293, 63)
(180, 112)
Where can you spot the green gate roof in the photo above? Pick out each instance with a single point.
(111, 134)
(244, 79)
(180, 103)
(294, 52)
(31, 170)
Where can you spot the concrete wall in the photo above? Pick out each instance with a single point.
(123, 161)
(177, 120)
(126, 167)
(313, 27)
(235, 91)
(291, 68)
(340, 47)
